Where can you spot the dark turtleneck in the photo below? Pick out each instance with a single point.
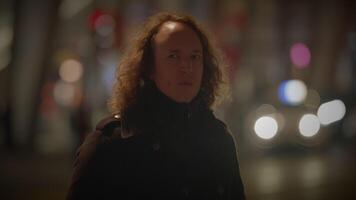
(153, 108)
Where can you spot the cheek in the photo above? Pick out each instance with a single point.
(168, 73)
(163, 77)
(200, 72)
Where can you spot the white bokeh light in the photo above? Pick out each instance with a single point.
(331, 111)
(309, 125)
(295, 91)
(266, 127)
(71, 70)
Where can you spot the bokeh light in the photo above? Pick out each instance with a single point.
(5, 57)
(64, 93)
(93, 16)
(270, 177)
(312, 99)
(300, 55)
(105, 42)
(309, 125)
(266, 109)
(104, 25)
(266, 127)
(312, 172)
(69, 9)
(71, 70)
(292, 92)
(331, 111)
(6, 35)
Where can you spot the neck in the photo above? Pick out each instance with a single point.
(153, 105)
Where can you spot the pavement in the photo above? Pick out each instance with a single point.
(321, 175)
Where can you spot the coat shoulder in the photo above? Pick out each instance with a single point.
(221, 130)
(108, 124)
(106, 129)
(219, 125)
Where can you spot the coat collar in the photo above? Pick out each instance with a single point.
(154, 108)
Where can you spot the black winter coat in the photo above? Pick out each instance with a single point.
(171, 151)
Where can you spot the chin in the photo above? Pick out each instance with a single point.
(181, 100)
(186, 99)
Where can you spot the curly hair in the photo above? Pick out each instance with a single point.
(137, 64)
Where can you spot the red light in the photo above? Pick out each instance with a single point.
(92, 18)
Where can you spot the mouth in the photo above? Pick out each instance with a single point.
(186, 83)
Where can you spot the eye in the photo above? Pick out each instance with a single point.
(195, 57)
(173, 56)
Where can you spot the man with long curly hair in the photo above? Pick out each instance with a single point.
(162, 140)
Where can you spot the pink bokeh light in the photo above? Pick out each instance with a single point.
(300, 55)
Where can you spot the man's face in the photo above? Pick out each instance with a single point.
(179, 63)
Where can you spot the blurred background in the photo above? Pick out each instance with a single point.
(292, 66)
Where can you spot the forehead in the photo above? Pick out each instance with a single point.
(175, 35)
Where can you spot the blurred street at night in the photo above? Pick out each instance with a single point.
(292, 71)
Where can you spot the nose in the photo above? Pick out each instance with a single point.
(186, 66)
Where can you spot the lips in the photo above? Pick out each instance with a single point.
(186, 83)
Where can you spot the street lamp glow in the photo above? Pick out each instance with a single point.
(266, 127)
(64, 93)
(309, 125)
(292, 92)
(331, 111)
(300, 55)
(71, 70)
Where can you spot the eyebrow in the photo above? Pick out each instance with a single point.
(177, 50)
(197, 51)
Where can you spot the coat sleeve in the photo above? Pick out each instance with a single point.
(85, 179)
(82, 182)
(236, 186)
